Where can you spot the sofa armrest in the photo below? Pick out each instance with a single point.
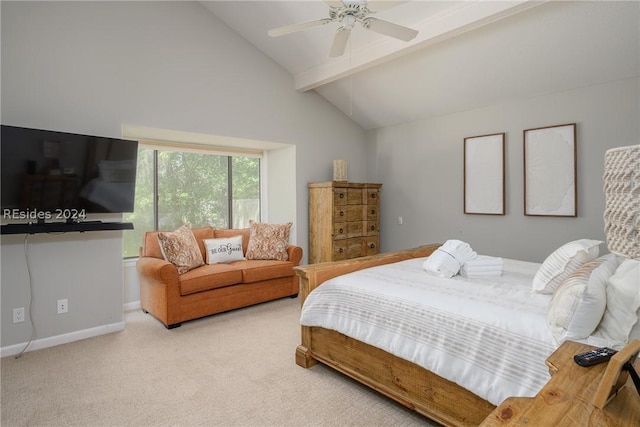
(295, 254)
(157, 269)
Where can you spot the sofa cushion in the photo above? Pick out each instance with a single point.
(201, 234)
(210, 276)
(268, 241)
(259, 270)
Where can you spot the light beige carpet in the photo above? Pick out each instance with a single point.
(232, 369)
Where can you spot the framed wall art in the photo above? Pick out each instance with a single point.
(484, 174)
(550, 171)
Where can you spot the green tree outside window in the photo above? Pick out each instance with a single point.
(192, 188)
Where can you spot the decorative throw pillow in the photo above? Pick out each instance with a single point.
(562, 262)
(225, 249)
(180, 248)
(579, 301)
(623, 305)
(268, 241)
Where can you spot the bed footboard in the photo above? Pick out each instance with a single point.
(405, 382)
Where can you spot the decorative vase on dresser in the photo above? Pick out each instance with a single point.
(343, 220)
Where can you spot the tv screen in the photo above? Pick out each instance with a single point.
(49, 175)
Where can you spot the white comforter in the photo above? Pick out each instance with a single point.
(488, 335)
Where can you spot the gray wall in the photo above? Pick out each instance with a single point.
(421, 166)
(92, 67)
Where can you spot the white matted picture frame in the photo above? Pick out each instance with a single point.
(484, 192)
(550, 171)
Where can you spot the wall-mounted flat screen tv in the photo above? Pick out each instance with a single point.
(57, 175)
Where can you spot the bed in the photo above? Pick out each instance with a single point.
(455, 348)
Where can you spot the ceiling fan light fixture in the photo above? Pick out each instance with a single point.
(348, 21)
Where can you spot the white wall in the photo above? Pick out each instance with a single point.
(92, 67)
(421, 166)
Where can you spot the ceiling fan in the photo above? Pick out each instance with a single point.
(347, 13)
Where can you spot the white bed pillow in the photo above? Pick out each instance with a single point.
(562, 262)
(579, 301)
(224, 249)
(623, 305)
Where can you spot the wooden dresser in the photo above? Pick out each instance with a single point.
(343, 220)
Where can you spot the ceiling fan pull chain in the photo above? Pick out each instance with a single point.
(350, 81)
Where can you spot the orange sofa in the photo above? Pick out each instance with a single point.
(211, 288)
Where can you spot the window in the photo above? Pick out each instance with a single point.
(192, 186)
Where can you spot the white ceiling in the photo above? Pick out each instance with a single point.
(467, 54)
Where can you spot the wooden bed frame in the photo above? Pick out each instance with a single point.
(407, 383)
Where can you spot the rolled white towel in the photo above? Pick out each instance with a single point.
(441, 264)
(459, 249)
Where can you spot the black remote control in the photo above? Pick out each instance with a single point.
(593, 357)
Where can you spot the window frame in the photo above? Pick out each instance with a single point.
(228, 152)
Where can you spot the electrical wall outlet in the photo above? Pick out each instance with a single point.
(18, 315)
(63, 306)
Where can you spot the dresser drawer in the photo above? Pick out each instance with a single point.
(339, 230)
(371, 212)
(352, 248)
(339, 250)
(371, 228)
(349, 213)
(371, 245)
(347, 230)
(340, 196)
(371, 196)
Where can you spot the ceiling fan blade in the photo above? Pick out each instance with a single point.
(380, 5)
(276, 32)
(389, 29)
(334, 3)
(339, 42)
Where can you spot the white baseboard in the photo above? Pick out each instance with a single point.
(130, 306)
(62, 339)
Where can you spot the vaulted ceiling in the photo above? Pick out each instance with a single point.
(467, 54)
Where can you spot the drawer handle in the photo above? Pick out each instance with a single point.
(373, 195)
(373, 227)
(340, 250)
(341, 213)
(341, 230)
(341, 195)
(373, 211)
(372, 246)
